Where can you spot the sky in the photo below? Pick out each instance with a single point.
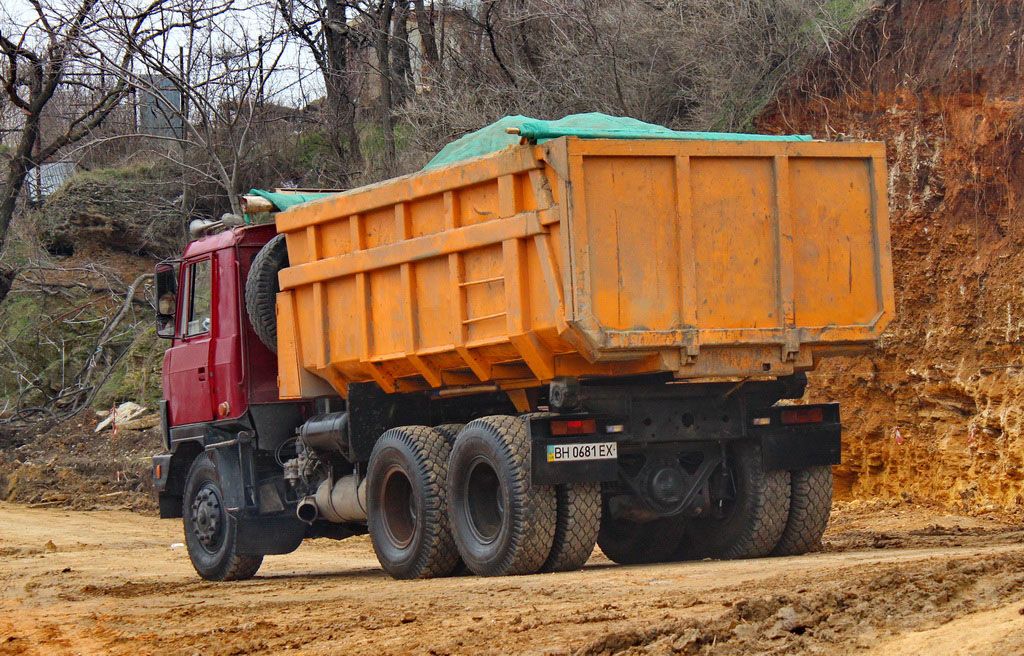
(295, 83)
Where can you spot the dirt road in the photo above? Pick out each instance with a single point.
(897, 580)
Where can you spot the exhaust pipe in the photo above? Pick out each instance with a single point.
(307, 511)
(340, 501)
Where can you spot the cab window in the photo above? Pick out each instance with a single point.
(197, 317)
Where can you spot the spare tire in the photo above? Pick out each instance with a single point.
(261, 287)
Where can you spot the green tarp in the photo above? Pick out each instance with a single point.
(593, 125)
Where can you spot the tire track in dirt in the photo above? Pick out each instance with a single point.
(112, 584)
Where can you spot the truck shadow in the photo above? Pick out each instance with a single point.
(321, 575)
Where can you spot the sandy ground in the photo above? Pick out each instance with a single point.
(894, 579)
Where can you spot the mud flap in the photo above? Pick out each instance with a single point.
(797, 437)
(264, 536)
(799, 448)
(168, 484)
(256, 534)
(234, 467)
(161, 471)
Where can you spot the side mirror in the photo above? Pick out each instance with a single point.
(166, 299)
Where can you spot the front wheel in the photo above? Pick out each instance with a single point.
(211, 535)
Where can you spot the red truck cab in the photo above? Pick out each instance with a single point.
(219, 379)
(216, 366)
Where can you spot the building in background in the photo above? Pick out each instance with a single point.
(160, 108)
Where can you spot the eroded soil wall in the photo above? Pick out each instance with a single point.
(937, 411)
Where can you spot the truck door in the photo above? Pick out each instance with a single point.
(187, 363)
(227, 371)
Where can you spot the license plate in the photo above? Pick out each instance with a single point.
(576, 452)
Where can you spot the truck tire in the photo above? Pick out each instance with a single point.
(503, 525)
(809, 507)
(633, 543)
(407, 503)
(261, 288)
(577, 522)
(210, 533)
(754, 521)
(449, 432)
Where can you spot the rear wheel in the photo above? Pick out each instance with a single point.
(211, 535)
(577, 522)
(503, 525)
(753, 520)
(809, 508)
(449, 432)
(407, 503)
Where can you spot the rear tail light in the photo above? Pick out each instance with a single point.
(574, 427)
(803, 416)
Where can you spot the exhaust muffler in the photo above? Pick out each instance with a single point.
(343, 500)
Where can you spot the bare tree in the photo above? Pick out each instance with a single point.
(401, 55)
(87, 321)
(49, 50)
(386, 22)
(378, 14)
(425, 26)
(207, 85)
(365, 52)
(323, 28)
(704, 64)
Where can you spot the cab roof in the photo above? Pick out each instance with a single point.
(255, 235)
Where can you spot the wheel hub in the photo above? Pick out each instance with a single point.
(485, 501)
(207, 518)
(400, 514)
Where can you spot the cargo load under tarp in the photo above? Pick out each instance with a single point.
(592, 125)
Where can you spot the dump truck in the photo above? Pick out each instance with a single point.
(496, 363)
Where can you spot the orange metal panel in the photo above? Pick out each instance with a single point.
(294, 380)
(734, 242)
(590, 258)
(835, 259)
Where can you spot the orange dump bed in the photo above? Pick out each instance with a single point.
(709, 260)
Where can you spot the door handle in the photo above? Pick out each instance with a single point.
(202, 374)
